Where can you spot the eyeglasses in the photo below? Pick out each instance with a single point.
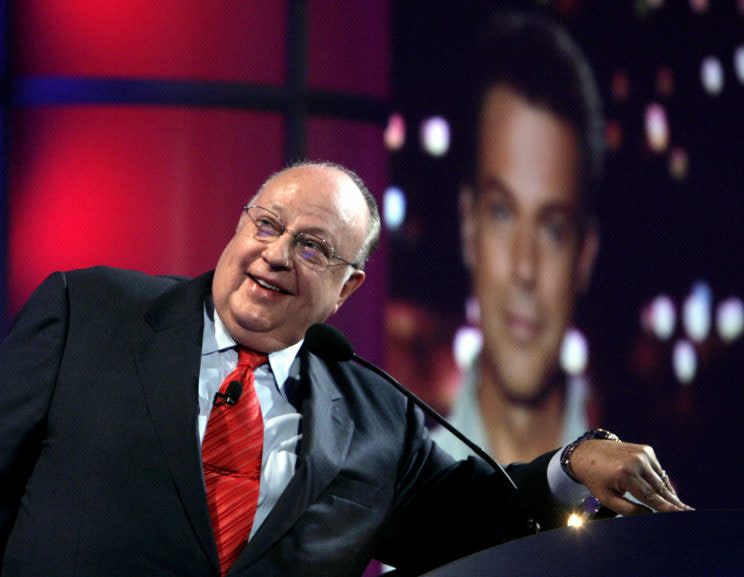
(309, 249)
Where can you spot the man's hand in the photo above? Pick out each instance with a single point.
(609, 469)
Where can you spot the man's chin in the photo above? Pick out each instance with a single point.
(530, 393)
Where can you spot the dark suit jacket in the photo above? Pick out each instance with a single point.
(100, 471)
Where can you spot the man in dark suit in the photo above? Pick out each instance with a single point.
(109, 378)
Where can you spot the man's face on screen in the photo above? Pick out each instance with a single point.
(527, 257)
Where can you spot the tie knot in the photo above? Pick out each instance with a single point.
(250, 358)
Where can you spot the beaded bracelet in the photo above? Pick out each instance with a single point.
(571, 447)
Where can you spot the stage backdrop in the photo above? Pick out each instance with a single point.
(137, 130)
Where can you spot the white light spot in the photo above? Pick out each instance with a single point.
(574, 352)
(657, 128)
(730, 319)
(394, 207)
(435, 136)
(395, 132)
(684, 362)
(662, 317)
(575, 520)
(696, 312)
(466, 346)
(739, 63)
(711, 74)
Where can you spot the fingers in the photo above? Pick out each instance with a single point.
(623, 506)
(667, 482)
(650, 484)
(637, 475)
(662, 490)
(653, 496)
(651, 490)
(657, 491)
(612, 471)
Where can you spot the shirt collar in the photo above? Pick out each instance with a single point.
(217, 338)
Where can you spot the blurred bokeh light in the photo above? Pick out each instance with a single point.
(574, 352)
(435, 136)
(696, 312)
(730, 319)
(395, 132)
(657, 128)
(711, 75)
(394, 208)
(684, 362)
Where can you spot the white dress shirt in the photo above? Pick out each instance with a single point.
(282, 420)
(466, 416)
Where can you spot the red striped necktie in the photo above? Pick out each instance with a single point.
(231, 457)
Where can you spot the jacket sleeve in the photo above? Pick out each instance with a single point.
(30, 357)
(446, 509)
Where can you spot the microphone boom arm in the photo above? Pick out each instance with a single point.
(434, 415)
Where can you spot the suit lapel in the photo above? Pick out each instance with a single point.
(168, 357)
(327, 432)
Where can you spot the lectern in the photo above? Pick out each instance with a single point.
(692, 544)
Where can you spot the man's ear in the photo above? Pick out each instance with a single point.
(355, 280)
(587, 255)
(465, 203)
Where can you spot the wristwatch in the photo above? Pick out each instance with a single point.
(571, 447)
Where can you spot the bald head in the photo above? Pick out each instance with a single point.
(372, 235)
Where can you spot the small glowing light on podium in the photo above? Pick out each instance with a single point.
(711, 75)
(435, 136)
(739, 62)
(393, 207)
(657, 128)
(395, 132)
(574, 352)
(575, 520)
(730, 319)
(678, 163)
(684, 362)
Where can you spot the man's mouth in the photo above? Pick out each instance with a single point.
(522, 328)
(268, 286)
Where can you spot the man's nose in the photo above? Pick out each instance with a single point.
(524, 257)
(278, 253)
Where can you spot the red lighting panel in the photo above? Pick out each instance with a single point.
(229, 40)
(349, 46)
(153, 189)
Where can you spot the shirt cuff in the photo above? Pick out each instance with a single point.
(566, 491)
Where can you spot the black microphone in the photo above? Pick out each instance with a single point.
(231, 395)
(328, 343)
